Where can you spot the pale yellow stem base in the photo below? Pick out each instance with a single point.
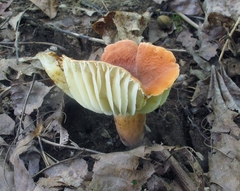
(130, 128)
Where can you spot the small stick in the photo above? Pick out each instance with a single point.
(79, 35)
(227, 41)
(70, 147)
(44, 43)
(25, 105)
(189, 21)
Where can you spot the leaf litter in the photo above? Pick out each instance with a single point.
(36, 117)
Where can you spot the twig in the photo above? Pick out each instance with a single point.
(189, 21)
(227, 41)
(2, 25)
(186, 181)
(191, 16)
(17, 35)
(176, 50)
(44, 43)
(25, 105)
(42, 152)
(70, 147)
(79, 35)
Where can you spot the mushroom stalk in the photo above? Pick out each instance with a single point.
(130, 128)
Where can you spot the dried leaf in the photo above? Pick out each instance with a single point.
(217, 19)
(19, 92)
(131, 25)
(223, 99)
(188, 7)
(232, 66)
(120, 25)
(54, 121)
(7, 174)
(123, 170)
(119, 171)
(200, 94)
(224, 172)
(154, 32)
(70, 173)
(22, 179)
(7, 125)
(208, 47)
(159, 1)
(185, 37)
(14, 20)
(49, 7)
(225, 8)
(3, 7)
(27, 66)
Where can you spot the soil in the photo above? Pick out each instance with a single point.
(176, 123)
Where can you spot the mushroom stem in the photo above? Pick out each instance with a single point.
(130, 128)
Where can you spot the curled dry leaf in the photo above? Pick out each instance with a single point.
(19, 92)
(55, 100)
(49, 7)
(27, 66)
(6, 173)
(217, 19)
(187, 7)
(68, 173)
(225, 8)
(3, 7)
(120, 25)
(7, 125)
(222, 96)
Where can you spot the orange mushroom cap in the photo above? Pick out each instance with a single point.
(123, 54)
(154, 66)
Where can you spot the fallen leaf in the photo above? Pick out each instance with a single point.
(27, 66)
(185, 37)
(14, 20)
(154, 32)
(6, 173)
(49, 7)
(222, 97)
(119, 171)
(55, 100)
(120, 25)
(3, 7)
(187, 7)
(69, 173)
(207, 47)
(19, 92)
(159, 1)
(225, 8)
(7, 125)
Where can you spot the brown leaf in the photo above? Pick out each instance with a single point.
(5, 173)
(49, 7)
(27, 66)
(54, 122)
(188, 7)
(120, 25)
(7, 125)
(70, 173)
(123, 170)
(223, 99)
(225, 8)
(200, 94)
(3, 7)
(19, 92)
(185, 37)
(224, 162)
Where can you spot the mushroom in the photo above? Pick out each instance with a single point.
(128, 82)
